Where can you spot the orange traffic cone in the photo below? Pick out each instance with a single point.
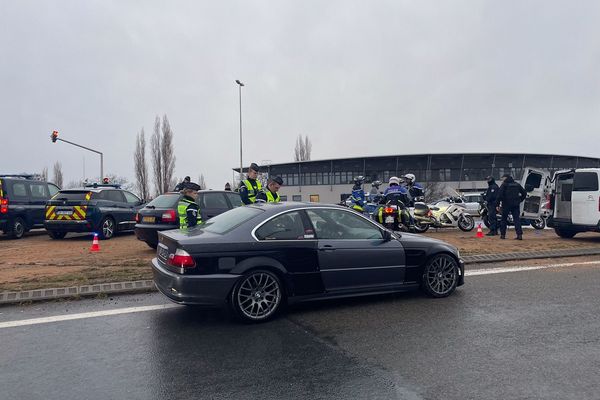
(95, 244)
(479, 231)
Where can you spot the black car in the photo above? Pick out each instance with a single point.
(256, 258)
(103, 209)
(161, 213)
(22, 203)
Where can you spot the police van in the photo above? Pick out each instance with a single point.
(575, 202)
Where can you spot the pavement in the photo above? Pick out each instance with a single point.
(511, 332)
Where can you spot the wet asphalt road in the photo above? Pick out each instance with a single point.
(521, 335)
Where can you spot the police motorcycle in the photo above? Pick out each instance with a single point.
(358, 198)
(445, 213)
(537, 223)
(392, 211)
(373, 198)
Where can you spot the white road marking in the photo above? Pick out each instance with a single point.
(489, 271)
(93, 314)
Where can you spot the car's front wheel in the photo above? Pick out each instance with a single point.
(107, 228)
(440, 275)
(257, 296)
(57, 235)
(17, 228)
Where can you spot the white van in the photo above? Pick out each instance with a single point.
(575, 202)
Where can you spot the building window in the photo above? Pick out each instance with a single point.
(283, 197)
(314, 198)
(297, 197)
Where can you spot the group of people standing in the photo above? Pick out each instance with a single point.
(251, 191)
(504, 199)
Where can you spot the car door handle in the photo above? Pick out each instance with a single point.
(327, 247)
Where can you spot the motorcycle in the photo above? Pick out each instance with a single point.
(537, 223)
(443, 214)
(390, 216)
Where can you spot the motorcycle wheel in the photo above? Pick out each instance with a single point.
(466, 223)
(421, 227)
(539, 223)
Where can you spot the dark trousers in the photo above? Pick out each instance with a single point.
(492, 218)
(516, 213)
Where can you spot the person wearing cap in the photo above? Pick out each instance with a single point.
(251, 186)
(270, 195)
(490, 196)
(179, 186)
(228, 187)
(510, 196)
(187, 209)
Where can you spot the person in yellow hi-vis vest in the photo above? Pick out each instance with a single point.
(270, 195)
(250, 186)
(187, 209)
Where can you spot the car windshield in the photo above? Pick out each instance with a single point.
(229, 220)
(165, 201)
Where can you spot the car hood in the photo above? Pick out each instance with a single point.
(412, 240)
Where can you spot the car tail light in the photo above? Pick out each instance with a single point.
(168, 216)
(181, 259)
(137, 218)
(3, 206)
(389, 210)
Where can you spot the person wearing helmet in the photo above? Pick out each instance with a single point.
(415, 190)
(397, 195)
(358, 197)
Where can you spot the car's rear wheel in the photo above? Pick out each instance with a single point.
(107, 228)
(539, 223)
(565, 233)
(17, 228)
(57, 235)
(440, 275)
(257, 296)
(153, 245)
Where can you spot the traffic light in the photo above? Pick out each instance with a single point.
(54, 136)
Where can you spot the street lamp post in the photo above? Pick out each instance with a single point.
(54, 137)
(240, 84)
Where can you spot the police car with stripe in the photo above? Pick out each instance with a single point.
(103, 209)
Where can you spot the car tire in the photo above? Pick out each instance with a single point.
(153, 245)
(440, 276)
(107, 228)
(255, 290)
(466, 223)
(57, 235)
(17, 228)
(565, 233)
(539, 223)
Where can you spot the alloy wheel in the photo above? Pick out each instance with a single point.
(108, 228)
(441, 276)
(258, 296)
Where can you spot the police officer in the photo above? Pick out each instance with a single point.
(228, 187)
(250, 187)
(510, 196)
(187, 209)
(358, 197)
(490, 197)
(415, 190)
(270, 195)
(180, 185)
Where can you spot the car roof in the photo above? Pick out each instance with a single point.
(203, 191)
(274, 208)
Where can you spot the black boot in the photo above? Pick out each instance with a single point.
(502, 236)
(519, 237)
(491, 233)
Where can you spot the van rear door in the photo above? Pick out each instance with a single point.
(536, 182)
(584, 199)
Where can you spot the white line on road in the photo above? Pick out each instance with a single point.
(93, 314)
(489, 271)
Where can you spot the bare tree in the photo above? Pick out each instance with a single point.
(44, 174)
(303, 148)
(58, 175)
(141, 166)
(434, 191)
(167, 151)
(201, 182)
(155, 146)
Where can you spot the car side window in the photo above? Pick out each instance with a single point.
(39, 191)
(19, 190)
(53, 189)
(288, 226)
(341, 224)
(234, 199)
(213, 200)
(131, 198)
(113, 195)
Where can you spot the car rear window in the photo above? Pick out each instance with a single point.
(229, 220)
(71, 195)
(585, 182)
(165, 201)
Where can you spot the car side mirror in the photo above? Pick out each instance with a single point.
(387, 236)
(529, 188)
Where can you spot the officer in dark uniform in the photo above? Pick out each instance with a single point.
(490, 197)
(251, 186)
(179, 186)
(187, 209)
(510, 196)
(270, 195)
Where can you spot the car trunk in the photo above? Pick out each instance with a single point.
(160, 211)
(71, 205)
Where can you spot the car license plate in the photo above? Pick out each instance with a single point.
(64, 212)
(149, 219)
(163, 252)
(389, 220)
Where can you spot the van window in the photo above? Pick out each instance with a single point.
(18, 189)
(533, 179)
(39, 191)
(585, 182)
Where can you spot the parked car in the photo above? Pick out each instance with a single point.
(161, 213)
(472, 200)
(104, 209)
(575, 202)
(259, 257)
(22, 203)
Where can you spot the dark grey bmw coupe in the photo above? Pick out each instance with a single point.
(258, 258)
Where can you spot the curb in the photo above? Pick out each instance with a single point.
(148, 285)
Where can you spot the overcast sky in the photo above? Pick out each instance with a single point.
(359, 78)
